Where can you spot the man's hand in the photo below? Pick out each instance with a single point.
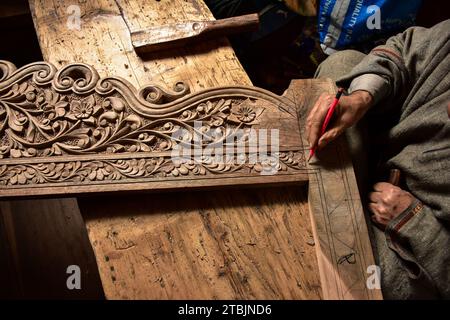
(349, 110)
(387, 202)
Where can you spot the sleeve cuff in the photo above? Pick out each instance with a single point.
(376, 85)
(396, 242)
(396, 224)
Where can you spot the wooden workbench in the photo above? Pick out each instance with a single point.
(225, 244)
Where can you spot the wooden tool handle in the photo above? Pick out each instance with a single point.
(394, 177)
(245, 23)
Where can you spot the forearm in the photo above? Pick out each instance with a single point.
(383, 75)
(375, 85)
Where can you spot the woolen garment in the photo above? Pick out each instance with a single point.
(414, 250)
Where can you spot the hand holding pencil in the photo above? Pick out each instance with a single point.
(332, 114)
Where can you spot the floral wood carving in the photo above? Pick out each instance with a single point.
(69, 127)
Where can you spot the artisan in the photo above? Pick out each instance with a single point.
(399, 99)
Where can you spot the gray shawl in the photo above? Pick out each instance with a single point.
(414, 250)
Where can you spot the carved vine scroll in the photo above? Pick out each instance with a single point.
(70, 131)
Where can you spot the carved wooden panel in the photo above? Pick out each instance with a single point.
(70, 131)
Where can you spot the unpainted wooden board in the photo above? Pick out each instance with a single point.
(343, 249)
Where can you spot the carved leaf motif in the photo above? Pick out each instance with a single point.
(15, 123)
(117, 104)
(108, 116)
(134, 120)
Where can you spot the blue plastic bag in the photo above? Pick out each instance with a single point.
(345, 23)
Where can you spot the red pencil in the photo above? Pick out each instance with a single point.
(327, 119)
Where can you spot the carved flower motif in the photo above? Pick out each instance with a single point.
(84, 110)
(246, 114)
(54, 105)
(81, 109)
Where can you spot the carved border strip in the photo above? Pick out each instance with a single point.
(343, 248)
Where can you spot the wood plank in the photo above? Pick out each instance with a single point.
(343, 247)
(339, 226)
(122, 229)
(344, 250)
(104, 42)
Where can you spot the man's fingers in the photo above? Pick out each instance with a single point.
(315, 122)
(381, 186)
(329, 136)
(377, 208)
(348, 111)
(379, 220)
(314, 132)
(373, 208)
(380, 211)
(312, 113)
(375, 197)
